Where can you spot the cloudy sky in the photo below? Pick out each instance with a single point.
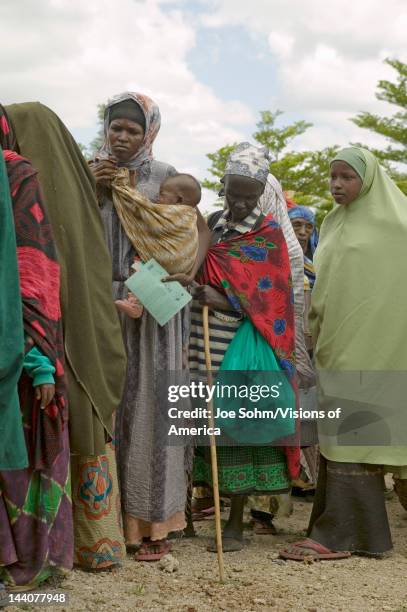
(212, 65)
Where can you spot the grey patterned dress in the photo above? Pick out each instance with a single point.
(152, 475)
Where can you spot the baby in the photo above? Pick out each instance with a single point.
(180, 189)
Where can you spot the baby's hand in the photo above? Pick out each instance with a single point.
(131, 307)
(132, 299)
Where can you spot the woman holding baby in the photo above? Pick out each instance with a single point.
(153, 475)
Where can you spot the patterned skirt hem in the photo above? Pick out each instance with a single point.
(247, 492)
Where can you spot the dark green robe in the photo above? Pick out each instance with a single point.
(13, 453)
(94, 351)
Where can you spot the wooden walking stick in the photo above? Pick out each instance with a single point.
(214, 460)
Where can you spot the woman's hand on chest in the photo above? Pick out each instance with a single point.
(208, 296)
(103, 171)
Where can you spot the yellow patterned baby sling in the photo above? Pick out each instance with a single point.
(166, 232)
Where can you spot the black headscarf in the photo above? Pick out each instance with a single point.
(128, 109)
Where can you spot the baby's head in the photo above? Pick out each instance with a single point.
(180, 189)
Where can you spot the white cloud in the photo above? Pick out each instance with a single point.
(281, 44)
(72, 55)
(207, 202)
(326, 80)
(358, 28)
(329, 56)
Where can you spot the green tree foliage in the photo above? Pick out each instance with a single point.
(302, 173)
(217, 169)
(100, 136)
(393, 128)
(90, 151)
(83, 149)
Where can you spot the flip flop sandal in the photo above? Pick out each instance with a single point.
(263, 522)
(308, 549)
(131, 549)
(260, 528)
(201, 515)
(145, 553)
(306, 491)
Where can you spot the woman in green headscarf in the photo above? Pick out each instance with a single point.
(359, 324)
(94, 351)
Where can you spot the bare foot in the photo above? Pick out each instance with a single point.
(229, 544)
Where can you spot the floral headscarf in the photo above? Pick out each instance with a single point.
(153, 121)
(248, 160)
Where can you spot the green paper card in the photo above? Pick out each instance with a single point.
(162, 300)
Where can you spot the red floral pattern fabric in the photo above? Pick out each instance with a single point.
(39, 283)
(253, 271)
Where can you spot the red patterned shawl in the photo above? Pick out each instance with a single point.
(253, 271)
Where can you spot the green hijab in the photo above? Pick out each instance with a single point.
(13, 453)
(359, 302)
(95, 357)
(355, 157)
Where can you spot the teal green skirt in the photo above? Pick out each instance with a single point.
(244, 470)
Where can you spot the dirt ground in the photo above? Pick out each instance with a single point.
(256, 578)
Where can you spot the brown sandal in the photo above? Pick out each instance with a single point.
(153, 550)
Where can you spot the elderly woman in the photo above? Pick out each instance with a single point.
(95, 358)
(245, 288)
(359, 328)
(153, 476)
(36, 532)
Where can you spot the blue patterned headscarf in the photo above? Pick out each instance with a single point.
(248, 160)
(304, 212)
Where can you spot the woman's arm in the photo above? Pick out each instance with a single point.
(40, 369)
(208, 296)
(204, 238)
